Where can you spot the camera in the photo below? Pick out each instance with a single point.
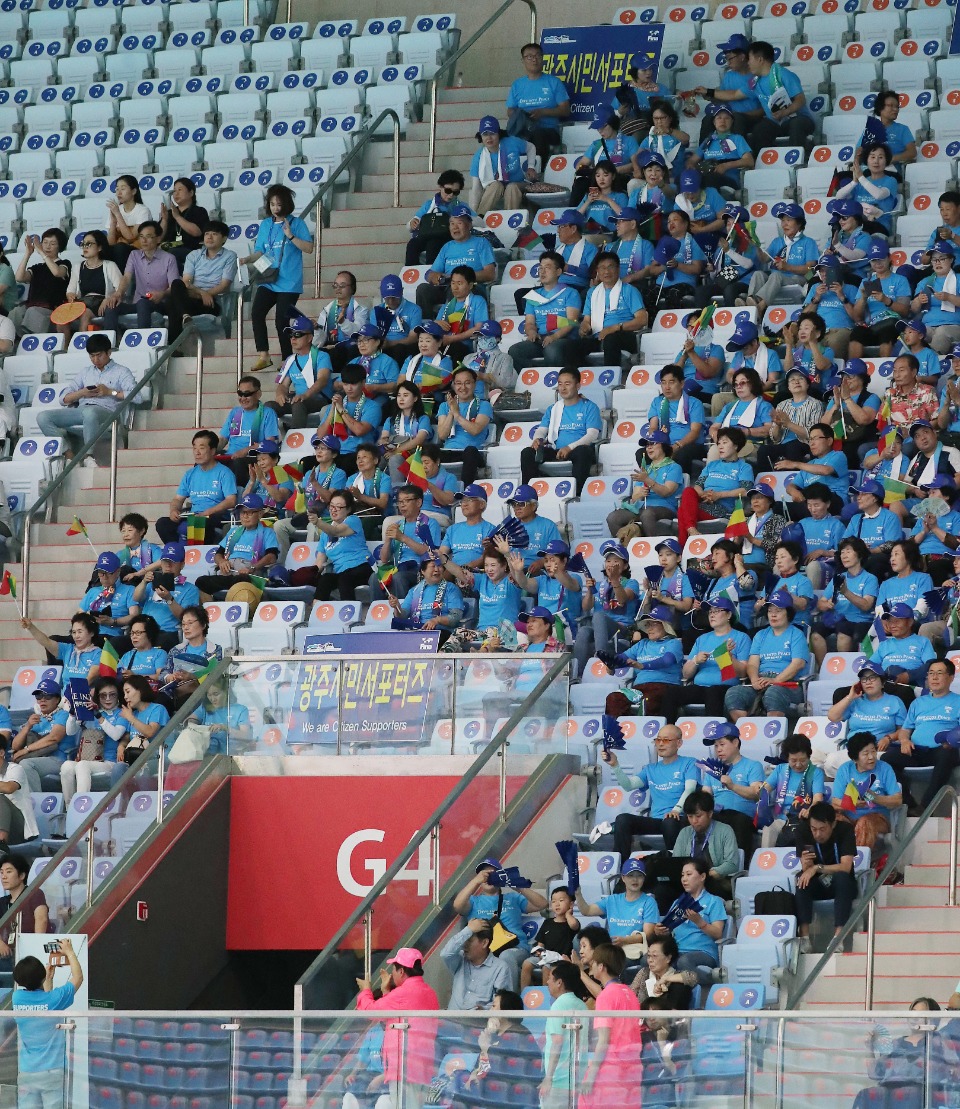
(52, 947)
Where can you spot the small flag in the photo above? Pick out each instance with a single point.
(885, 416)
(412, 470)
(293, 471)
(724, 661)
(839, 433)
(894, 490)
(456, 317)
(196, 529)
(560, 628)
(873, 638)
(952, 633)
(338, 426)
(430, 378)
(704, 320)
(888, 438)
(8, 585)
(570, 856)
(528, 240)
(612, 738)
(737, 524)
(850, 798)
(77, 527)
(109, 660)
(202, 675)
(385, 575)
(555, 322)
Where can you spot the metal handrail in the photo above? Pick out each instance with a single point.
(456, 56)
(867, 903)
(363, 911)
(315, 204)
(111, 428)
(85, 831)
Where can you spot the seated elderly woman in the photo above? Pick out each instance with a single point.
(865, 790)
(697, 934)
(717, 662)
(660, 977)
(793, 787)
(433, 604)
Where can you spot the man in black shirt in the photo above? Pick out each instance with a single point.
(828, 850)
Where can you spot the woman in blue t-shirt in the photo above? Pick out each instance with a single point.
(144, 717)
(226, 722)
(876, 788)
(343, 561)
(615, 599)
(876, 190)
(792, 787)
(846, 608)
(282, 241)
(98, 741)
(909, 581)
(79, 658)
(144, 657)
(602, 205)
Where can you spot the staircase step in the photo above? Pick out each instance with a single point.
(885, 989)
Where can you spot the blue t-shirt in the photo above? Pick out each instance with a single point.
(405, 317)
(676, 423)
(144, 554)
(577, 258)
(544, 91)
(887, 204)
(880, 717)
(474, 251)
(150, 661)
(575, 420)
(185, 593)
(778, 651)
(629, 304)
(899, 137)
(508, 162)
(303, 370)
(690, 251)
(499, 600)
(473, 310)
(881, 780)
(67, 746)
(884, 527)
(707, 385)
(624, 917)
(425, 602)
(789, 784)
(936, 313)
(541, 532)
(634, 254)
(234, 716)
(745, 772)
(604, 601)
(742, 83)
(663, 473)
(345, 552)
(950, 523)
(602, 213)
(367, 412)
(459, 439)
(662, 661)
(154, 713)
(76, 663)
(484, 905)
(834, 312)
(863, 585)
(838, 482)
(737, 411)
(288, 258)
(465, 541)
(446, 482)
(691, 938)
(907, 590)
(248, 427)
(552, 595)
(118, 604)
(822, 535)
(249, 544)
(802, 251)
(206, 488)
(709, 672)
(764, 87)
(929, 715)
(893, 286)
(400, 552)
(383, 370)
(912, 653)
(619, 149)
(666, 782)
(549, 308)
(721, 476)
(723, 148)
(799, 585)
(42, 1044)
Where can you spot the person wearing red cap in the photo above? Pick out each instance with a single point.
(403, 989)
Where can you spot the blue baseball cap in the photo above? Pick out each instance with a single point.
(915, 325)
(524, 494)
(722, 730)
(300, 323)
(690, 181)
(780, 598)
(763, 490)
(538, 612)
(651, 158)
(955, 350)
(108, 563)
(617, 549)
(870, 486)
(251, 502)
(787, 208)
(941, 246)
(642, 61)
(570, 218)
(269, 446)
(827, 261)
(602, 115)
(898, 611)
(666, 250)
(391, 286)
(951, 737)
(735, 211)
(491, 328)
(722, 602)
(331, 442)
(671, 545)
(461, 211)
(648, 436)
(855, 367)
(745, 333)
(920, 423)
(717, 109)
(627, 213)
(736, 44)
(662, 615)
(633, 866)
(555, 547)
(845, 208)
(429, 327)
(369, 331)
(871, 668)
(173, 552)
(495, 863)
(476, 491)
(48, 688)
(878, 248)
(939, 481)
(489, 125)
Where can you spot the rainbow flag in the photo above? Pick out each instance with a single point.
(744, 235)
(300, 500)
(338, 426)
(737, 524)
(385, 575)
(109, 660)
(850, 798)
(894, 490)
(412, 470)
(431, 378)
(8, 585)
(724, 661)
(77, 527)
(196, 529)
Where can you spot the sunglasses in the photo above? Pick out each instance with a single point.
(451, 192)
(241, 393)
(299, 334)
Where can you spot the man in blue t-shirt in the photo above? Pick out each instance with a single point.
(924, 740)
(249, 548)
(165, 597)
(568, 430)
(246, 425)
(536, 103)
(42, 1051)
(211, 489)
(463, 249)
(736, 78)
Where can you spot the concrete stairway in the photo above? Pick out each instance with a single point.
(367, 235)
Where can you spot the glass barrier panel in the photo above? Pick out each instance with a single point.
(559, 1059)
